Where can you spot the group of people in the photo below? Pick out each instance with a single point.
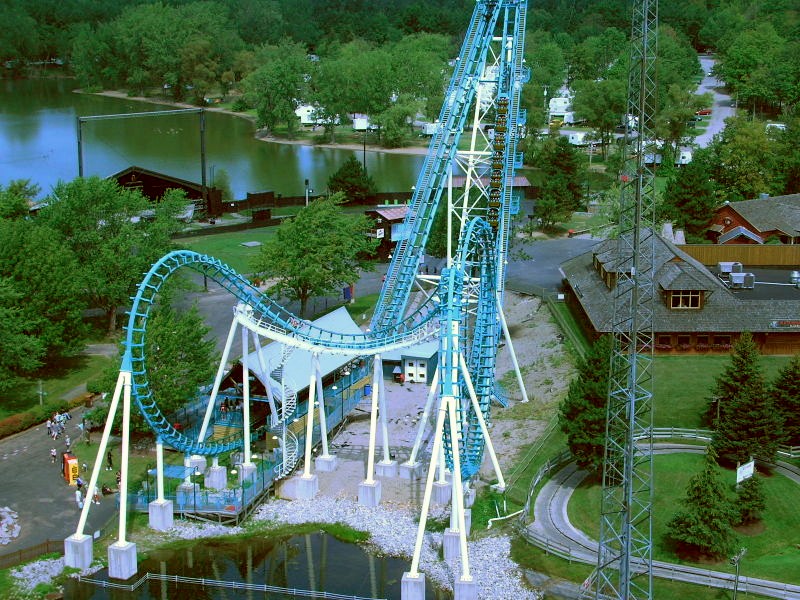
(92, 495)
(56, 425)
(229, 406)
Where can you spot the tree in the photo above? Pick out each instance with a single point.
(562, 187)
(582, 414)
(703, 527)
(20, 352)
(750, 500)
(319, 251)
(16, 198)
(747, 425)
(103, 226)
(222, 181)
(785, 391)
(602, 103)
(689, 200)
(274, 87)
(180, 355)
(352, 180)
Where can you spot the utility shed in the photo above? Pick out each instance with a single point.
(416, 363)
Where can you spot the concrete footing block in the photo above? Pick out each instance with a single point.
(247, 472)
(386, 468)
(441, 493)
(122, 560)
(326, 464)
(369, 494)
(412, 588)
(465, 589)
(306, 487)
(451, 544)
(216, 478)
(198, 462)
(467, 520)
(78, 551)
(161, 515)
(469, 497)
(410, 470)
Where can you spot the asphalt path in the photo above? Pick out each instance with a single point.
(722, 106)
(551, 523)
(34, 488)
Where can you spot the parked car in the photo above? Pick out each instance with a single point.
(704, 112)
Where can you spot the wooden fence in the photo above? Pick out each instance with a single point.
(751, 255)
(12, 559)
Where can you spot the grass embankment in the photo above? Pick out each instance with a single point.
(228, 247)
(772, 553)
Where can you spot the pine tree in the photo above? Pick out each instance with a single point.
(689, 199)
(704, 526)
(352, 179)
(786, 398)
(748, 424)
(750, 500)
(582, 415)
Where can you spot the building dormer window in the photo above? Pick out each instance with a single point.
(727, 221)
(685, 299)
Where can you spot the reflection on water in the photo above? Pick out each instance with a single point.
(316, 562)
(38, 141)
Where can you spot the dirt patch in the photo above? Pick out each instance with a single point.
(751, 529)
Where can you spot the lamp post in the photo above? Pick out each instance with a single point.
(308, 191)
(735, 562)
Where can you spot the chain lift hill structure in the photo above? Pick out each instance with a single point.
(461, 307)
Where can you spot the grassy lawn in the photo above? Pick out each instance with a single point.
(772, 554)
(676, 404)
(228, 247)
(64, 377)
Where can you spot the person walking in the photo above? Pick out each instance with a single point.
(68, 441)
(119, 479)
(53, 455)
(78, 498)
(109, 461)
(49, 428)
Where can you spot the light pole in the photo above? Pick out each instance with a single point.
(308, 191)
(735, 562)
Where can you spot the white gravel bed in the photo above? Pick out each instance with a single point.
(9, 528)
(28, 576)
(393, 532)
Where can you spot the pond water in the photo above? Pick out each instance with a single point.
(315, 561)
(38, 141)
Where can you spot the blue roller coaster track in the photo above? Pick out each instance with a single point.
(463, 309)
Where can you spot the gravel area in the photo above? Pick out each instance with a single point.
(9, 528)
(394, 533)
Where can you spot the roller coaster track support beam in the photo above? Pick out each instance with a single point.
(510, 346)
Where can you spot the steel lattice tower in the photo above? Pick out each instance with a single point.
(624, 564)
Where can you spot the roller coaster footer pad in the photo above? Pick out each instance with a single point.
(412, 588)
(369, 493)
(78, 551)
(326, 464)
(122, 560)
(160, 513)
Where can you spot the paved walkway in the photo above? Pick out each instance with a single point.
(34, 488)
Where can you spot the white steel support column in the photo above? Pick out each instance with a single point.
(323, 421)
(159, 470)
(217, 381)
(510, 345)
(246, 397)
(426, 497)
(425, 414)
(384, 418)
(126, 440)
(377, 379)
(501, 485)
(458, 488)
(312, 389)
(262, 363)
(122, 378)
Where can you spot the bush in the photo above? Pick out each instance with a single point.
(35, 416)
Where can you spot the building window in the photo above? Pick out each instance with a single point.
(702, 339)
(684, 340)
(664, 340)
(685, 299)
(722, 340)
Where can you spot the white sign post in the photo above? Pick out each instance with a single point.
(745, 471)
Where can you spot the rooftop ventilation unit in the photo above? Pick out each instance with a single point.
(746, 281)
(724, 269)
